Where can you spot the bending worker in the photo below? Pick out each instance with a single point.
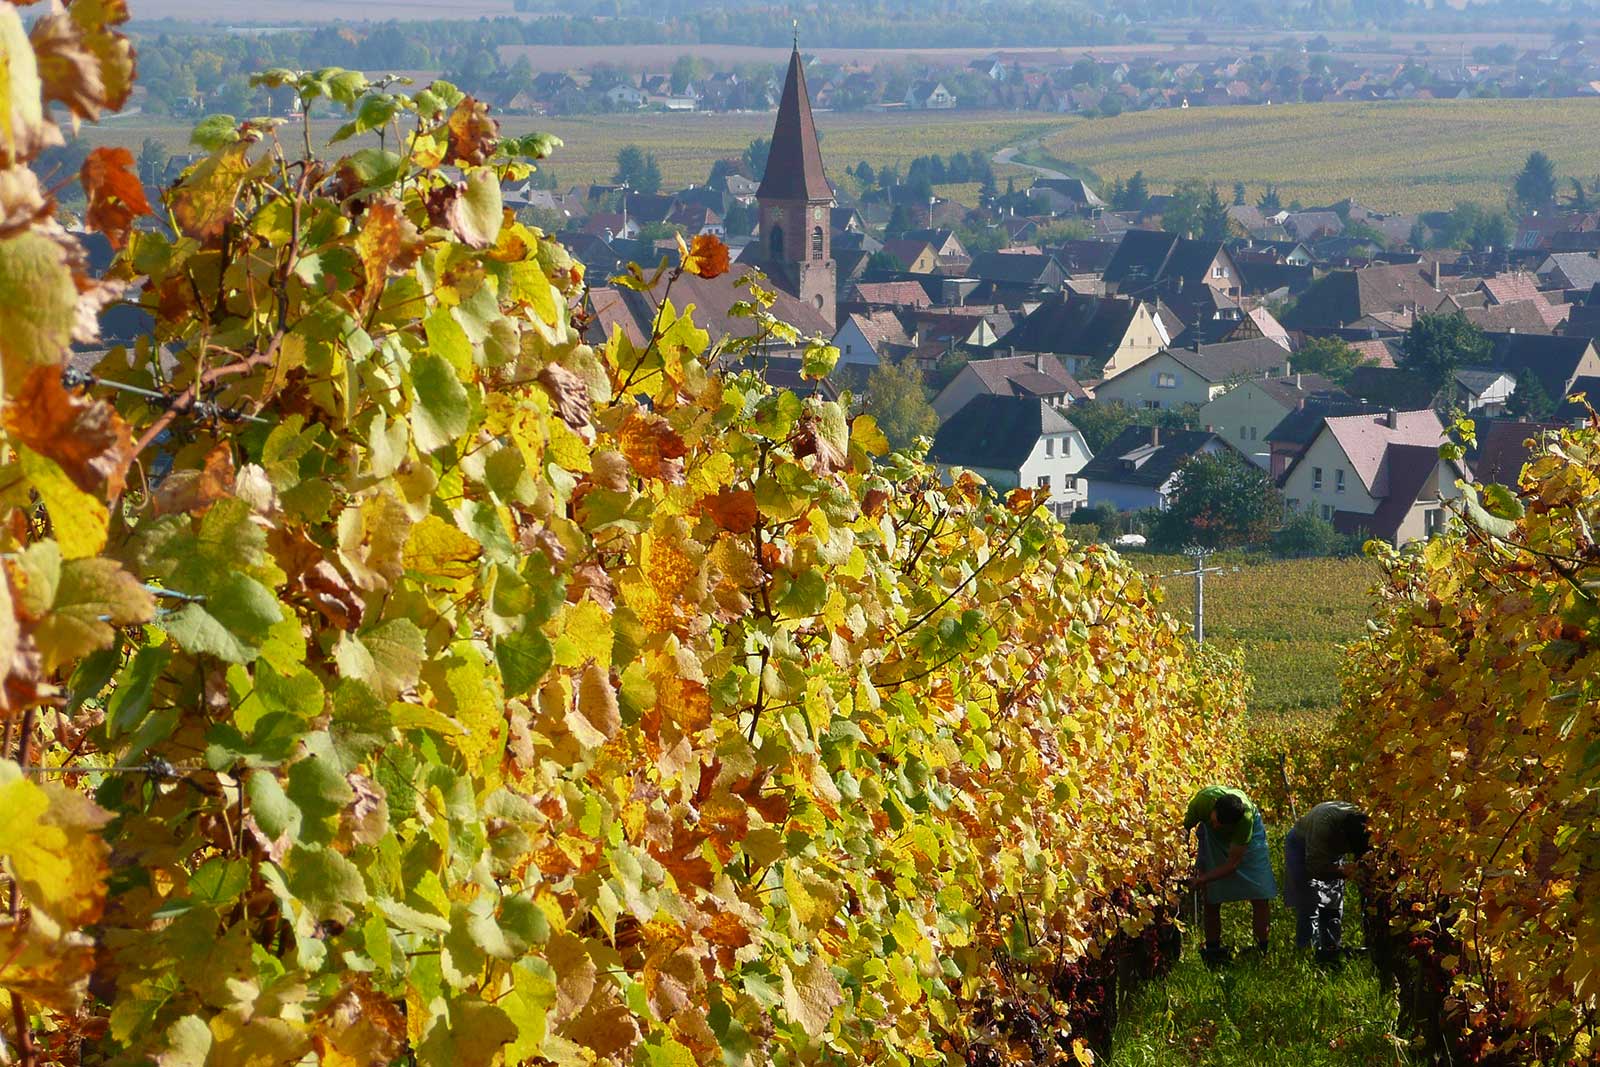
(1315, 872)
(1231, 862)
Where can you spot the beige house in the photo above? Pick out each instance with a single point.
(1175, 377)
(1379, 475)
(1246, 414)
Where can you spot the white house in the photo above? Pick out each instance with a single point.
(930, 96)
(1484, 391)
(1197, 375)
(1377, 474)
(1246, 414)
(1139, 467)
(1016, 442)
(868, 338)
(625, 95)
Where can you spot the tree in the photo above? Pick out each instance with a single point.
(1100, 422)
(755, 157)
(897, 398)
(1137, 194)
(900, 220)
(152, 161)
(1492, 231)
(1214, 218)
(864, 174)
(1305, 535)
(1269, 203)
(1436, 346)
(1184, 213)
(1530, 399)
(1238, 194)
(1329, 356)
(1535, 186)
(1580, 196)
(1218, 500)
(740, 218)
(638, 169)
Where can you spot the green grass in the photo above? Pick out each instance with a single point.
(1288, 616)
(1281, 1011)
(1398, 156)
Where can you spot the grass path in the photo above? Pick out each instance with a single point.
(1281, 1011)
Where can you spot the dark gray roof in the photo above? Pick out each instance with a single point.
(1552, 359)
(1149, 257)
(1016, 268)
(1250, 358)
(1090, 326)
(996, 432)
(1132, 459)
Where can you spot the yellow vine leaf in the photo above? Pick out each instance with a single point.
(50, 842)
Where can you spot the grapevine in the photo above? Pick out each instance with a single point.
(393, 675)
(1471, 730)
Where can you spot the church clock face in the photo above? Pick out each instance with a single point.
(816, 214)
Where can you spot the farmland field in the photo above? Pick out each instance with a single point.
(1288, 616)
(687, 144)
(1399, 156)
(1403, 156)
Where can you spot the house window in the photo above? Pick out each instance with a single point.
(1338, 480)
(1044, 481)
(816, 243)
(1432, 520)
(1316, 479)
(1218, 271)
(848, 348)
(777, 242)
(1049, 446)
(1066, 446)
(1072, 484)
(1241, 433)
(1294, 505)
(1253, 433)
(1166, 381)
(1152, 405)
(1327, 513)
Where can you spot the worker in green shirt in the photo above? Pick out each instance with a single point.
(1315, 871)
(1231, 862)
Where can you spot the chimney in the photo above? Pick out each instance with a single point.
(1300, 405)
(1011, 351)
(1391, 418)
(1297, 379)
(1038, 362)
(1287, 369)
(1436, 275)
(1155, 435)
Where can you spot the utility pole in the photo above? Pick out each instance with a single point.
(1198, 573)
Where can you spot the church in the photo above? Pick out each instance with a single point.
(793, 243)
(793, 246)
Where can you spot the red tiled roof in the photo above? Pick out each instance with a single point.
(1366, 439)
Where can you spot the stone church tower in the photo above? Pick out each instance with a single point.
(793, 200)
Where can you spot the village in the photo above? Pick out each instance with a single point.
(1096, 353)
(1065, 81)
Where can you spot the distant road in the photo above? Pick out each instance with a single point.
(1009, 156)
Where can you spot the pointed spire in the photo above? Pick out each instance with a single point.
(794, 166)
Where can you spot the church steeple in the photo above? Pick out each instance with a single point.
(794, 198)
(794, 167)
